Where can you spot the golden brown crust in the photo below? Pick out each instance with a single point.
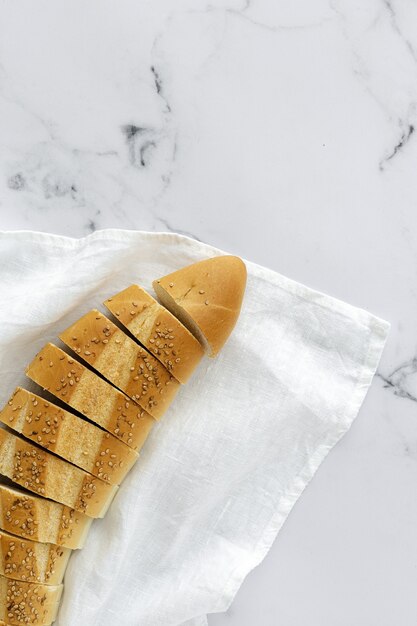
(28, 603)
(30, 561)
(73, 528)
(158, 330)
(90, 395)
(30, 517)
(51, 477)
(122, 361)
(210, 292)
(68, 436)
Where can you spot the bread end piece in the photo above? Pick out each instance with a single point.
(206, 297)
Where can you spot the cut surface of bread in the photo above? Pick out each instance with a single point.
(110, 351)
(31, 561)
(39, 519)
(28, 603)
(53, 478)
(207, 297)
(68, 436)
(158, 330)
(86, 392)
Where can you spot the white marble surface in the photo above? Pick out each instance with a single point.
(283, 132)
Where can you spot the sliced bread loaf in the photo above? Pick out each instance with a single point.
(86, 392)
(51, 477)
(26, 603)
(31, 561)
(122, 361)
(207, 298)
(158, 330)
(68, 436)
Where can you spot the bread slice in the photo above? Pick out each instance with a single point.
(51, 477)
(68, 436)
(53, 369)
(32, 604)
(207, 298)
(31, 561)
(122, 361)
(30, 517)
(158, 330)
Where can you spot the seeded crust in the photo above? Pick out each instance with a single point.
(31, 561)
(28, 603)
(122, 361)
(89, 394)
(51, 477)
(38, 519)
(158, 330)
(207, 298)
(68, 436)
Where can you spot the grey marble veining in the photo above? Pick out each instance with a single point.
(282, 132)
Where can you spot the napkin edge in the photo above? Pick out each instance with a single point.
(320, 298)
(377, 340)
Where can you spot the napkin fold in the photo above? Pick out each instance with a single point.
(219, 474)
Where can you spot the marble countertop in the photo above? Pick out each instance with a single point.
(281, 132)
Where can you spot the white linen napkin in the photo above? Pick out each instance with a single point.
(219, 474)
